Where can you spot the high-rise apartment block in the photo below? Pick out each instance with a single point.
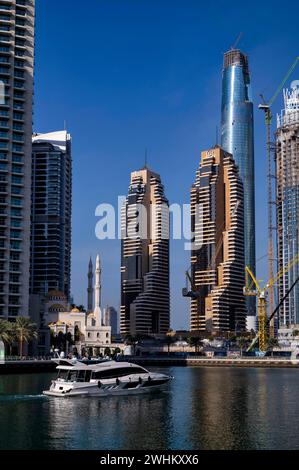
(145, 257)
(51, 213)
(17, 24)
(111, 319)
(237, 139)
(217, 257)
(287, 164)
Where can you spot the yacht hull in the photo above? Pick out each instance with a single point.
(96, 392)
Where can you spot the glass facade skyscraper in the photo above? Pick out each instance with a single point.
(237, 139)
(51, 212)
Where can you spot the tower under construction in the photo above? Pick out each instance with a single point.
(287, 172)
(237, 138)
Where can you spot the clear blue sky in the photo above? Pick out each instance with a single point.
(131, 74)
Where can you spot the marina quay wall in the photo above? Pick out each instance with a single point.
(32, 366)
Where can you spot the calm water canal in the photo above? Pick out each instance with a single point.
(215, 408)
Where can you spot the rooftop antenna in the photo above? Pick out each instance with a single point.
(217, 136)
(145, 159)
(64, 125)
(237, 41)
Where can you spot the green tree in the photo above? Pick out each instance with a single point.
(107, 352)
(232, 337)
(132, 340)
(242, 341)
(194, 341)
(25, 331)
(77, 334)
(5, 332)
(168, 341)
(116, 351)
(271, 344)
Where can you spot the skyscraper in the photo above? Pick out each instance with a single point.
(145, 301)
(287, 158)
(237, 139)
(17, 24)
(111, 319)
(51, 213)
(217, 257)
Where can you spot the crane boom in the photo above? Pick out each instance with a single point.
(255, 340)
(290, 71)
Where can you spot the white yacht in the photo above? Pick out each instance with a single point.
(104, 379)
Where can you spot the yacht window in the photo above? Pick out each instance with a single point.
(87, 375)
(115, 373)
(62, 374)
(77, 375)
(72, 376)
(81, 376)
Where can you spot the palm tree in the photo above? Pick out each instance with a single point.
(194, 341)
(272, 343)
(116, 352)
(4, 331)
(7, 333)
(242, 341)
(132, 340)
(168, 341)
(25, 331)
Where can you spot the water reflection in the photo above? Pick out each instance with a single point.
(115, 422)
(214, 408)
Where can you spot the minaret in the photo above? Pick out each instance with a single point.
(97, 298)
(90, 287)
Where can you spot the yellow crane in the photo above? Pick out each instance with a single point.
(266, 107)
(262, 293)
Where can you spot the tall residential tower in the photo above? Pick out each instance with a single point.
(51, 213)
(287, 164)
(145, 300)
(217, 257)
(17, 24)
(237, 139)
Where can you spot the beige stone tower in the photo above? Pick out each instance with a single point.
(217, 258)
(145, 257)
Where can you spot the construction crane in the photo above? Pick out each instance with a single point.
(266, 107)
(262, 293)
(237, 41)
(192, 293)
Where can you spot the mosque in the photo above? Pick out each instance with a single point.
(86, 328)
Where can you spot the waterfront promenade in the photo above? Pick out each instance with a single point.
(199, 361)
(47, 365)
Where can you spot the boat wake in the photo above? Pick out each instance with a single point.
(8, 398)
